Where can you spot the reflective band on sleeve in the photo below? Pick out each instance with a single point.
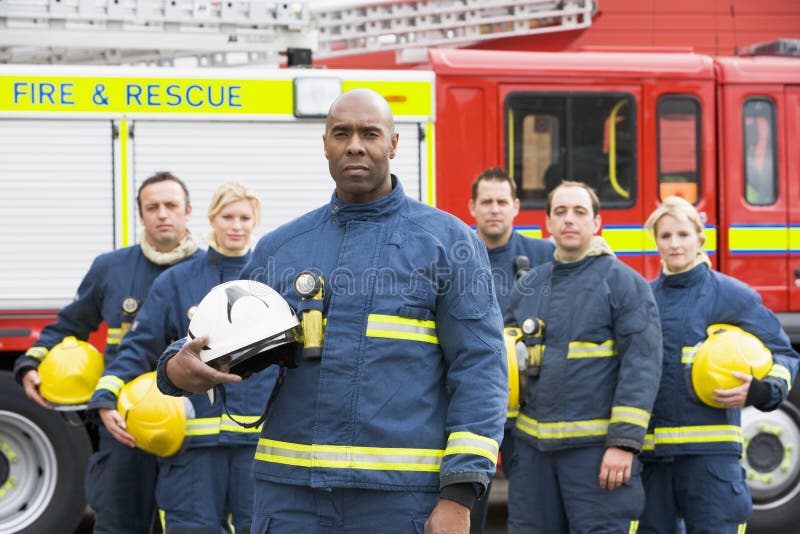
(348, 457)
(229, 425)
(111, 383)
(687, 355)
(511, 414)
(779, 371)
(37, 352)
(633, 528)
(693, 434)
(562, 430)
(629, 414)
(114, 336)
(585, 349)
(394, 327)
(469, 443)
(205, 426)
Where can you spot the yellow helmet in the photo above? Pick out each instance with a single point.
(511, 336)
(69, 374)
(727, 349)
(155, 420)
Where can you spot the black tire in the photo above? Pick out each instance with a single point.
(42, 465)
(778, 512)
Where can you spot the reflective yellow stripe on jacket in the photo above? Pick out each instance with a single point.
(37, 352)
(348, 457)
(111, 383)
(681, 435)
(209, 426)
(228, 424)
(469, 443)
(631, 415)
(114, 336)
(562, 429)
(585, 349)
(203, 426)
(687, 354)
(779, 371)
(374, 458)
(395, 327)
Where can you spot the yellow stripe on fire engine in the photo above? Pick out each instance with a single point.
(794, 238)
(627, 240)
(758, 238)
(404, 97)
(530, 231)
(430, 144)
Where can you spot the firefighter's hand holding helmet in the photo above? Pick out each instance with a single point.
(238, 328)
(735, 397)
(187, 371)
(30, 383)
(116, 426)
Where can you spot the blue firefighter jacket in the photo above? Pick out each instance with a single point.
(112, 278)
(411, 389)
(602, 354)
(165, 318)
(538, 251)
(688, 303)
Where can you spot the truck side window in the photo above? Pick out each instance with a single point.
(759, 152)
(679, 147)
(588, 137)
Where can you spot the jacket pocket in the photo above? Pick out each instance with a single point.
(176, 478)
(734, 496)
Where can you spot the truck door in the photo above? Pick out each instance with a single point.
(555, 133)
(756, 190)
(792, 122)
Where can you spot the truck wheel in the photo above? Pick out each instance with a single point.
(42, 464)
(772, 461)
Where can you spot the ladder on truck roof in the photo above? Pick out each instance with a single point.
(235, 32)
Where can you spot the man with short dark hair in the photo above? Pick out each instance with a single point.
(593, 343)
(120, 480)
(494, 205)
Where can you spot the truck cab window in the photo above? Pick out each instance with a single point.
(587, 137)
(759, 152)
(679, 147)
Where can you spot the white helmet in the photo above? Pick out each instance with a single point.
(243, 319)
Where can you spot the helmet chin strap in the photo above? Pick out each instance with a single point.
(220, 390)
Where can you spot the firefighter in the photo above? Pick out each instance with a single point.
(396, 423)
(691, 458)
(210, 479)
(120, 480)
(494, 205)
(591, 326)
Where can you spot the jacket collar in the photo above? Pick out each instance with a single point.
(383, 208)
(686, 278)
(214, 256)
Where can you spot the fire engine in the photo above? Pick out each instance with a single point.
(75, 143)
